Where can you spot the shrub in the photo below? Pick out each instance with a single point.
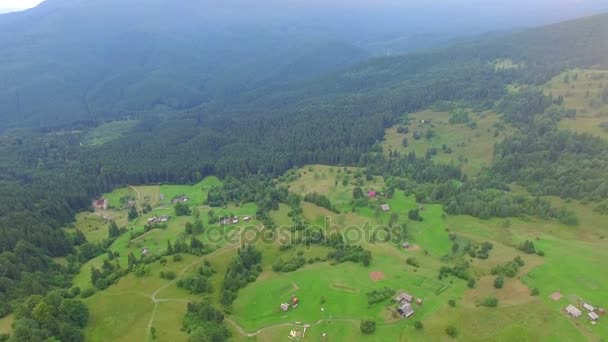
(412, 262)
(451, 331)
(368, 327)
(535, 291)
(418, 325)
(169, 275)
(178, 258)
(86, 293)
(471, 283)
(490, 302)
(452, 303)
(499, 282)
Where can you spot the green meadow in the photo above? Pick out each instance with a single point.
(333, 297)
(471, 147)
(582, 90)
(109, 132)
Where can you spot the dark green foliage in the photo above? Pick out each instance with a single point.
(368, 327)
(358, 193)
(452, 303)
(205, 323)
(527, 247)
(321, 201)
(133, 214)
(169, 275)
(549, 161)
(499, 282)
(460, 270)
(414, 215)
(181, 209)
(377, 296)
(195, 283)
(418, 325)
(490, 302)
(41, 318)
(535, 292)
(471, 283)
(459, 116)
(244, 269)
(451, 331)
(343, 253)
(412, 262)
(290, 265)
(521, 106)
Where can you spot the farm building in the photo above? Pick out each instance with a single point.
(405, 245)
(284, 306)
(182, 199)
(385, 207)
(573, 311)
(593, 316)
(152, 220)
(405, 310)
(164, 218)
(145, 251)
(588, 307)
(101, 203)
(246, 218)
(403, 298)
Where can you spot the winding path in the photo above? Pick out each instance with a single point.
(226, 249)
(138, 197)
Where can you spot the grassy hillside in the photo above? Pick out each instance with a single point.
(468, 145)
(333, 296)
(586, 91)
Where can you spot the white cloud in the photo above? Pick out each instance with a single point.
(19, 4)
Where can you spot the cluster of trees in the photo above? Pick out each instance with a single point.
(378, 296)
(320, 200)
(481, 251)
(244, 269)
(353, 253)
(549, 161)
(198, 282)
(289, 265)
(203, 322)
(528, 247)
(461, 269)
(53, 317)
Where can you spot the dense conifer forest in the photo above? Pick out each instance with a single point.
(48, 175)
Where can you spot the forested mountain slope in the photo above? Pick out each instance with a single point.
(46, 175)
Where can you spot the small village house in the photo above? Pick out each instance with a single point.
(385, 207)
(371, 194)
(403, 298)
(284, 306)
(145, 251)
(246, 218)
(588, 307)
(405, 310)
(405, 245)
(573, 311)
(593, 316)
(101, 203)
